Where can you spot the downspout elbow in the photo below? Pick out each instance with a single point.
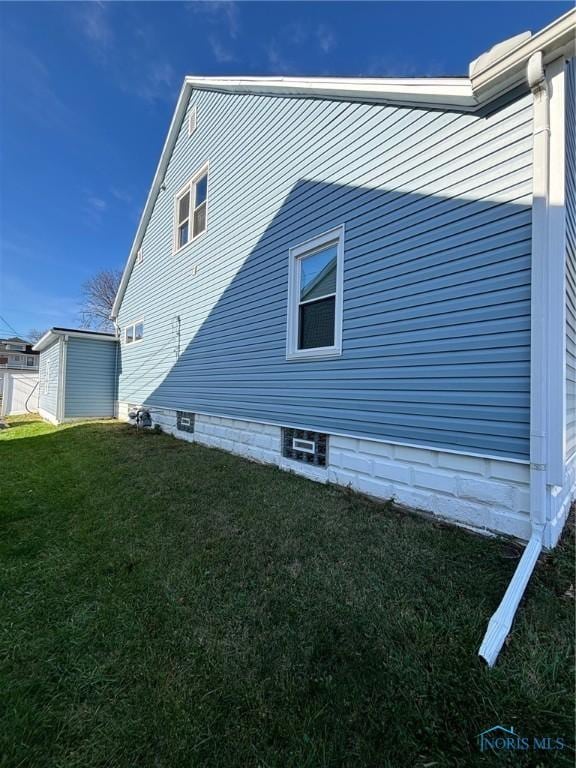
(500, 624)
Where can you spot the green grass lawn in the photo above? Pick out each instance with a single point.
(165, 604)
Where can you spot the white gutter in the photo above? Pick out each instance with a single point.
(55, 333)
(504, 67)
(501, 622)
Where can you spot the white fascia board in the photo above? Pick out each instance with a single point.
(431, 92)
(509, 69)
(56, 333)
(44, 341)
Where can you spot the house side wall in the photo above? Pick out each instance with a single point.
(437, 210)
(49, 379)
(90, 378)
(571, 260)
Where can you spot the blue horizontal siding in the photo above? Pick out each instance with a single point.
(571, 260)
(90, 378)
(436, 323)
(49, 369)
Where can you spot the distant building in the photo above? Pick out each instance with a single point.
(17, 353)
(18, 377)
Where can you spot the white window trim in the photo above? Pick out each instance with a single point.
(192, 120)
(334, 236)
(134, 339)
(190, 186)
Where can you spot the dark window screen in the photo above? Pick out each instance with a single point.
(316, 327)
(200, 219)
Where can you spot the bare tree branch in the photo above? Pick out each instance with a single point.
(35, 334)
(98, 295)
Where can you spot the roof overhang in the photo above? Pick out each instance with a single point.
(56, 333)
(504, 66)
(430, 92)
(491, 75)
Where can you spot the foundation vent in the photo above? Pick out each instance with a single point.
(185, 421)
(303, 445)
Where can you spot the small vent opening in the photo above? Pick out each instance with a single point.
(185, 421)
(303, 445)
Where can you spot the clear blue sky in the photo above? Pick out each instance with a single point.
(88, 89)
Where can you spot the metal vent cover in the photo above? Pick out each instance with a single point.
(185, 421)
(305, 446)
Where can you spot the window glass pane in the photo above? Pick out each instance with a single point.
(316, 323)
(138, 331)
(318, 274)
(182, 234)
(30, 361)
(200, 219)
(201, 190)
(129, 334)
(184, 207)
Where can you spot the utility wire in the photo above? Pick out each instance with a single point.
(11, 327)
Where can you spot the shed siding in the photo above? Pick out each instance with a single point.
(90, 378)
(49, 370)
(437, 209)
(571, 261)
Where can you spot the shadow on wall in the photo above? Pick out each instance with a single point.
(436, 321)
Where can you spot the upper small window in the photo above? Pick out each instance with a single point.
(140, 256)
(30, 361)
(315, 297)
(134, 332)
(191, 204)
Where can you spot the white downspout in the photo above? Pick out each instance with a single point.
(501, 622)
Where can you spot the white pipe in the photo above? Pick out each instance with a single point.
(501, 622)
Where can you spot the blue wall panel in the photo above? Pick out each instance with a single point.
(436, 324)
(90, 378)
(49, 378)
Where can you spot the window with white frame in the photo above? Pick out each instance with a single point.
(30, 362)
(190, 209)
(134, 332)
(315, 297)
